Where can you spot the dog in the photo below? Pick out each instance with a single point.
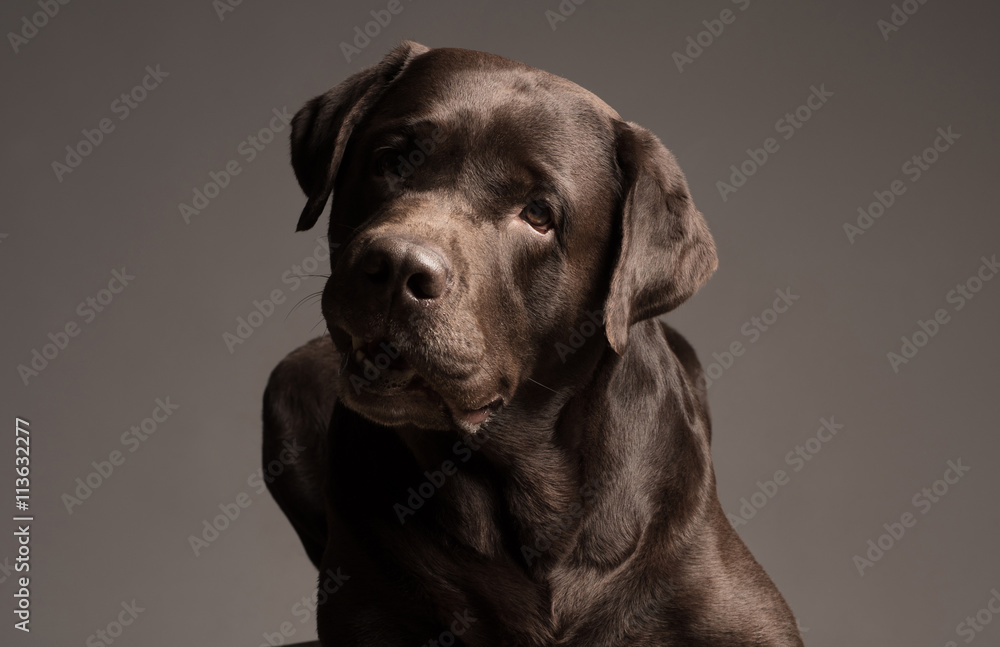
(504, 445)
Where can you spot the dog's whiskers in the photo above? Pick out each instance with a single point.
(343, 363)
(303, 300)
(542, 385)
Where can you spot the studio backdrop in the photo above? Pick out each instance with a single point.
(843, 154)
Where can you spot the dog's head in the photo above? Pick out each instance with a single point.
(482, 209)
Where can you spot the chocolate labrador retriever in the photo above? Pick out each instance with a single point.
(504, 446)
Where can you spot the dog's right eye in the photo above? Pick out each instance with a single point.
(385, 163)
(538, 214)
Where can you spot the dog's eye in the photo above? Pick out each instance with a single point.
(538, 214)
(385, 162)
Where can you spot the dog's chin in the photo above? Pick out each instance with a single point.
(384, 388)
(418, 406)
(405, 408)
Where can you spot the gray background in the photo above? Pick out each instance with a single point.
(826, 356)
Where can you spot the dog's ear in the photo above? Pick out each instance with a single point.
(321, 129)
(666, 251)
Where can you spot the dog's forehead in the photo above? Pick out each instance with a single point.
(476, 88)
(509, 121)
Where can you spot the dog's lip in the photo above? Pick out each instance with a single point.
(367, 354)
(466, 419)
(403, 378)
(475, 417)
(382, 368)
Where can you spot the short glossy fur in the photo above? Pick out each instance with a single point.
(507, 278)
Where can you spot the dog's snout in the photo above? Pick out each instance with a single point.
(399, 267)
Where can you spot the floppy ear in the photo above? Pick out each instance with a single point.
(321, 129)
(666, 251)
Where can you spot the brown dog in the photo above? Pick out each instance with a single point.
(505, 447)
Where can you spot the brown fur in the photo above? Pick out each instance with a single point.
(582, 509)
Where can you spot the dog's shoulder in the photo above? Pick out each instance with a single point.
(298, 405)
(300, 394)
(304, 381)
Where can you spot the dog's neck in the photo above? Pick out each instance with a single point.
(550, 498)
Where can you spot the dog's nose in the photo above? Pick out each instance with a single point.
(401, 267)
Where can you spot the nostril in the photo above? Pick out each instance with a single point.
(376, 267)
(393, 266)
(424, 285)
(425, 274)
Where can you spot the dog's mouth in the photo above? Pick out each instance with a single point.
(379, 366)
(383, 384)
